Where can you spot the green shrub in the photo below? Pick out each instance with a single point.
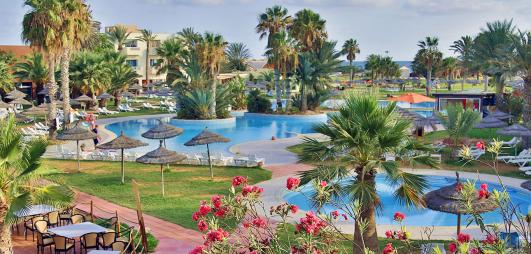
(258, 103)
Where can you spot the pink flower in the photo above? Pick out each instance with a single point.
(294, 208)
(323, 184)
(310, 224)
(246, 224)
(292, 183)
(490, 239)
(195, 216)
(202, 225)
(335, 214)
(251, 190)
(459, 187)
(216, 236)
(484, 186)
(463, 238)
(388, 249)
(216, 200)
(480, 145)
(482, 193)
(197, 250)
(238, 180)
(389, 234)
(259, 222)
(474, 251)
(220, 213)
(399, 216)
(344, 216)
(452, 247)
(204, 209)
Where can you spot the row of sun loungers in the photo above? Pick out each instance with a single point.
(105, 111)
(126, 108)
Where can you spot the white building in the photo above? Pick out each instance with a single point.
(404, 72)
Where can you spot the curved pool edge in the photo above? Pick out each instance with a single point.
(274, 191)
(309, 117)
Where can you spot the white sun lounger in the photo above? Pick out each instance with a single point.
(521, 162)
(522, 155)
(525, 169)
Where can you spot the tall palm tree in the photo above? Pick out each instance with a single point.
(448, 69)
(6, 78)
(120, 77)
(171, 52)
(40, 28)
(309, 29)
(237, 56)
(358, 137)
(522, 65)
(351, 48)
(33, 68)
(189, 35)
(89, 73)
(274, 20)
(118, 35)
(429, 56)
(21, 179)
(288, 55)
(464, 47)
(147, 37)
(76, 29)
(372, 64)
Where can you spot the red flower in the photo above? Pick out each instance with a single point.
(482, 193)
(216, 236)
(216, 200)
(204, 209)
(259, 222)
(480, 145)
(294, 208)
(399, 216)
(220, 213)
(344, 216)
(246, 224)
(459, 187)
(484, 186)
(310, 224)
(389, 234)
(251, 190)
(202, 225)
(474, 251)
(490, 239)
(388, 249)
(323, 184)
(463, 238)
(196, 216)
(238, 180)
(452, 247)
(335, 214)
(197, 250)
(292, 183)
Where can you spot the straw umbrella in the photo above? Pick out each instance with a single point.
(77, 133)
(5, 105)
(35, 111)
(448, 200)
(162, 131)
(161, 156)
(205, 138)
(104, 97)
(122, 142)
(515, 130)
(500, 115)
(83, 99)
(490, 122)
(14, 94)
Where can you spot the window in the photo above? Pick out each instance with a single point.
(131, 43)
(155, 44)
(153, 62)
(132, 62)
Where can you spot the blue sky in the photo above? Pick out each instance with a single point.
(378, 25)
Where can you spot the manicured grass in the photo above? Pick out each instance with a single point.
(185, 185)
(140, 112)
(485, 134)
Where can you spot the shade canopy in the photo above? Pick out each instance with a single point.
(127, 94)
(135, 87)
(448, 199)
(408, 114)
(76, 133)
(122, 142)
(500, 115)
(44, 91)
(15, 94)
(20, 101)
(162, 131)
(490, 122)
(515, 130)
(104, 96)
(5, 105)
(161, 155)
(412, 98)
(34, 111)
(83, 98)
(206, 137)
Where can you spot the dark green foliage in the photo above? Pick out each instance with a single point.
(257, 103)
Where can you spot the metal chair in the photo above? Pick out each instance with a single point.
(119, 246)
(29, 225)
(63, 245)
(88, 241)
(53, 219)
(106, 240)
(78, 218)
(44, 240)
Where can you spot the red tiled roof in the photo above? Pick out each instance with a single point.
(18, 50)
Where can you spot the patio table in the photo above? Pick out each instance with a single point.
(34, 210)
(103, 252)
(78, 230)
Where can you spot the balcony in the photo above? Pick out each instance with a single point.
(132, 51)
(153, 51)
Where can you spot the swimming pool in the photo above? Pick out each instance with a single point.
(415, 216)
(245, 128)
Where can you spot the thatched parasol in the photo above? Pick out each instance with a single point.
(448, 200)
(14, 94)
(5, 105)
(500, 115)
(161, 156)
(205, 138)
(135, 87)
(20, 101)
(490, 122)
(104, 96)
(83, 99)
(515, 130)
(77, 133)
(122, 142)
(34, 111)
(127, 94)
(162, 131)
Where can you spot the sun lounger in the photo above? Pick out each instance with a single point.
(525, 168)
(110, 112)
(522, 155)
(255, 161)
(520, 162)
(438, 147)
(42, 126)
(241, 161)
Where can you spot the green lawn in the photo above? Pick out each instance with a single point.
(140, 112)
(186, 186)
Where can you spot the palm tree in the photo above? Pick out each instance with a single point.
(89, 73)
(448, 69)
(464, 47)
(372, 64)
(288, 58)
(309, 29)
(351, 48)
(40, 28)
(118, 35)
(171, 52)
(459, 121)
(120, 77)
(21, 179)
(75, 31)
(358, 137)
(6, 79)
(237, 56)
(189, 35)
(147, 37)
(33, 68)
(429, 56)
(522, 65)
(274, 20)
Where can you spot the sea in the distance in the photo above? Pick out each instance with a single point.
(361, 64)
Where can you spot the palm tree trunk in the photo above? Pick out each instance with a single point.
(464, 80)
(147, 62)
(304, 99)
(52, 90)
(65, 86)
(278, 90)
(428, 81)
(527, 94)
(288, 93)
(213, 87)
(351, 73)
(486, 82)
(368, 238)
(6, 247)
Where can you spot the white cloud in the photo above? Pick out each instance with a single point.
(449, 6)
(186, 2)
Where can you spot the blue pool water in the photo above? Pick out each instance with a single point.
(414, 216)
(246, 128)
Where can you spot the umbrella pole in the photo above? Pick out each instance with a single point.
(123, 171)
(458, 223)
(162, 178)
(77, 151)
(210, 164)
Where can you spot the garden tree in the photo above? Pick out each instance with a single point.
(288, 59)
(74, 31)
(274, 20)
(32, 68)
(7, 57)
(170, 51)
(147, 37)
(381, 67)
(98, 43)
(41, 29)
(448, 69)
(269, 78)
(491, 47)
(459, 121)
(22, 179)
(237, 92)
(120, 77)
(357, 139)
(521, 60)
(118, 35)
(6, 78)
(372, 65)
(190, 36)
(464, 48)
(350, 49)
(237, 55)
(429, 55)
(89, 73)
